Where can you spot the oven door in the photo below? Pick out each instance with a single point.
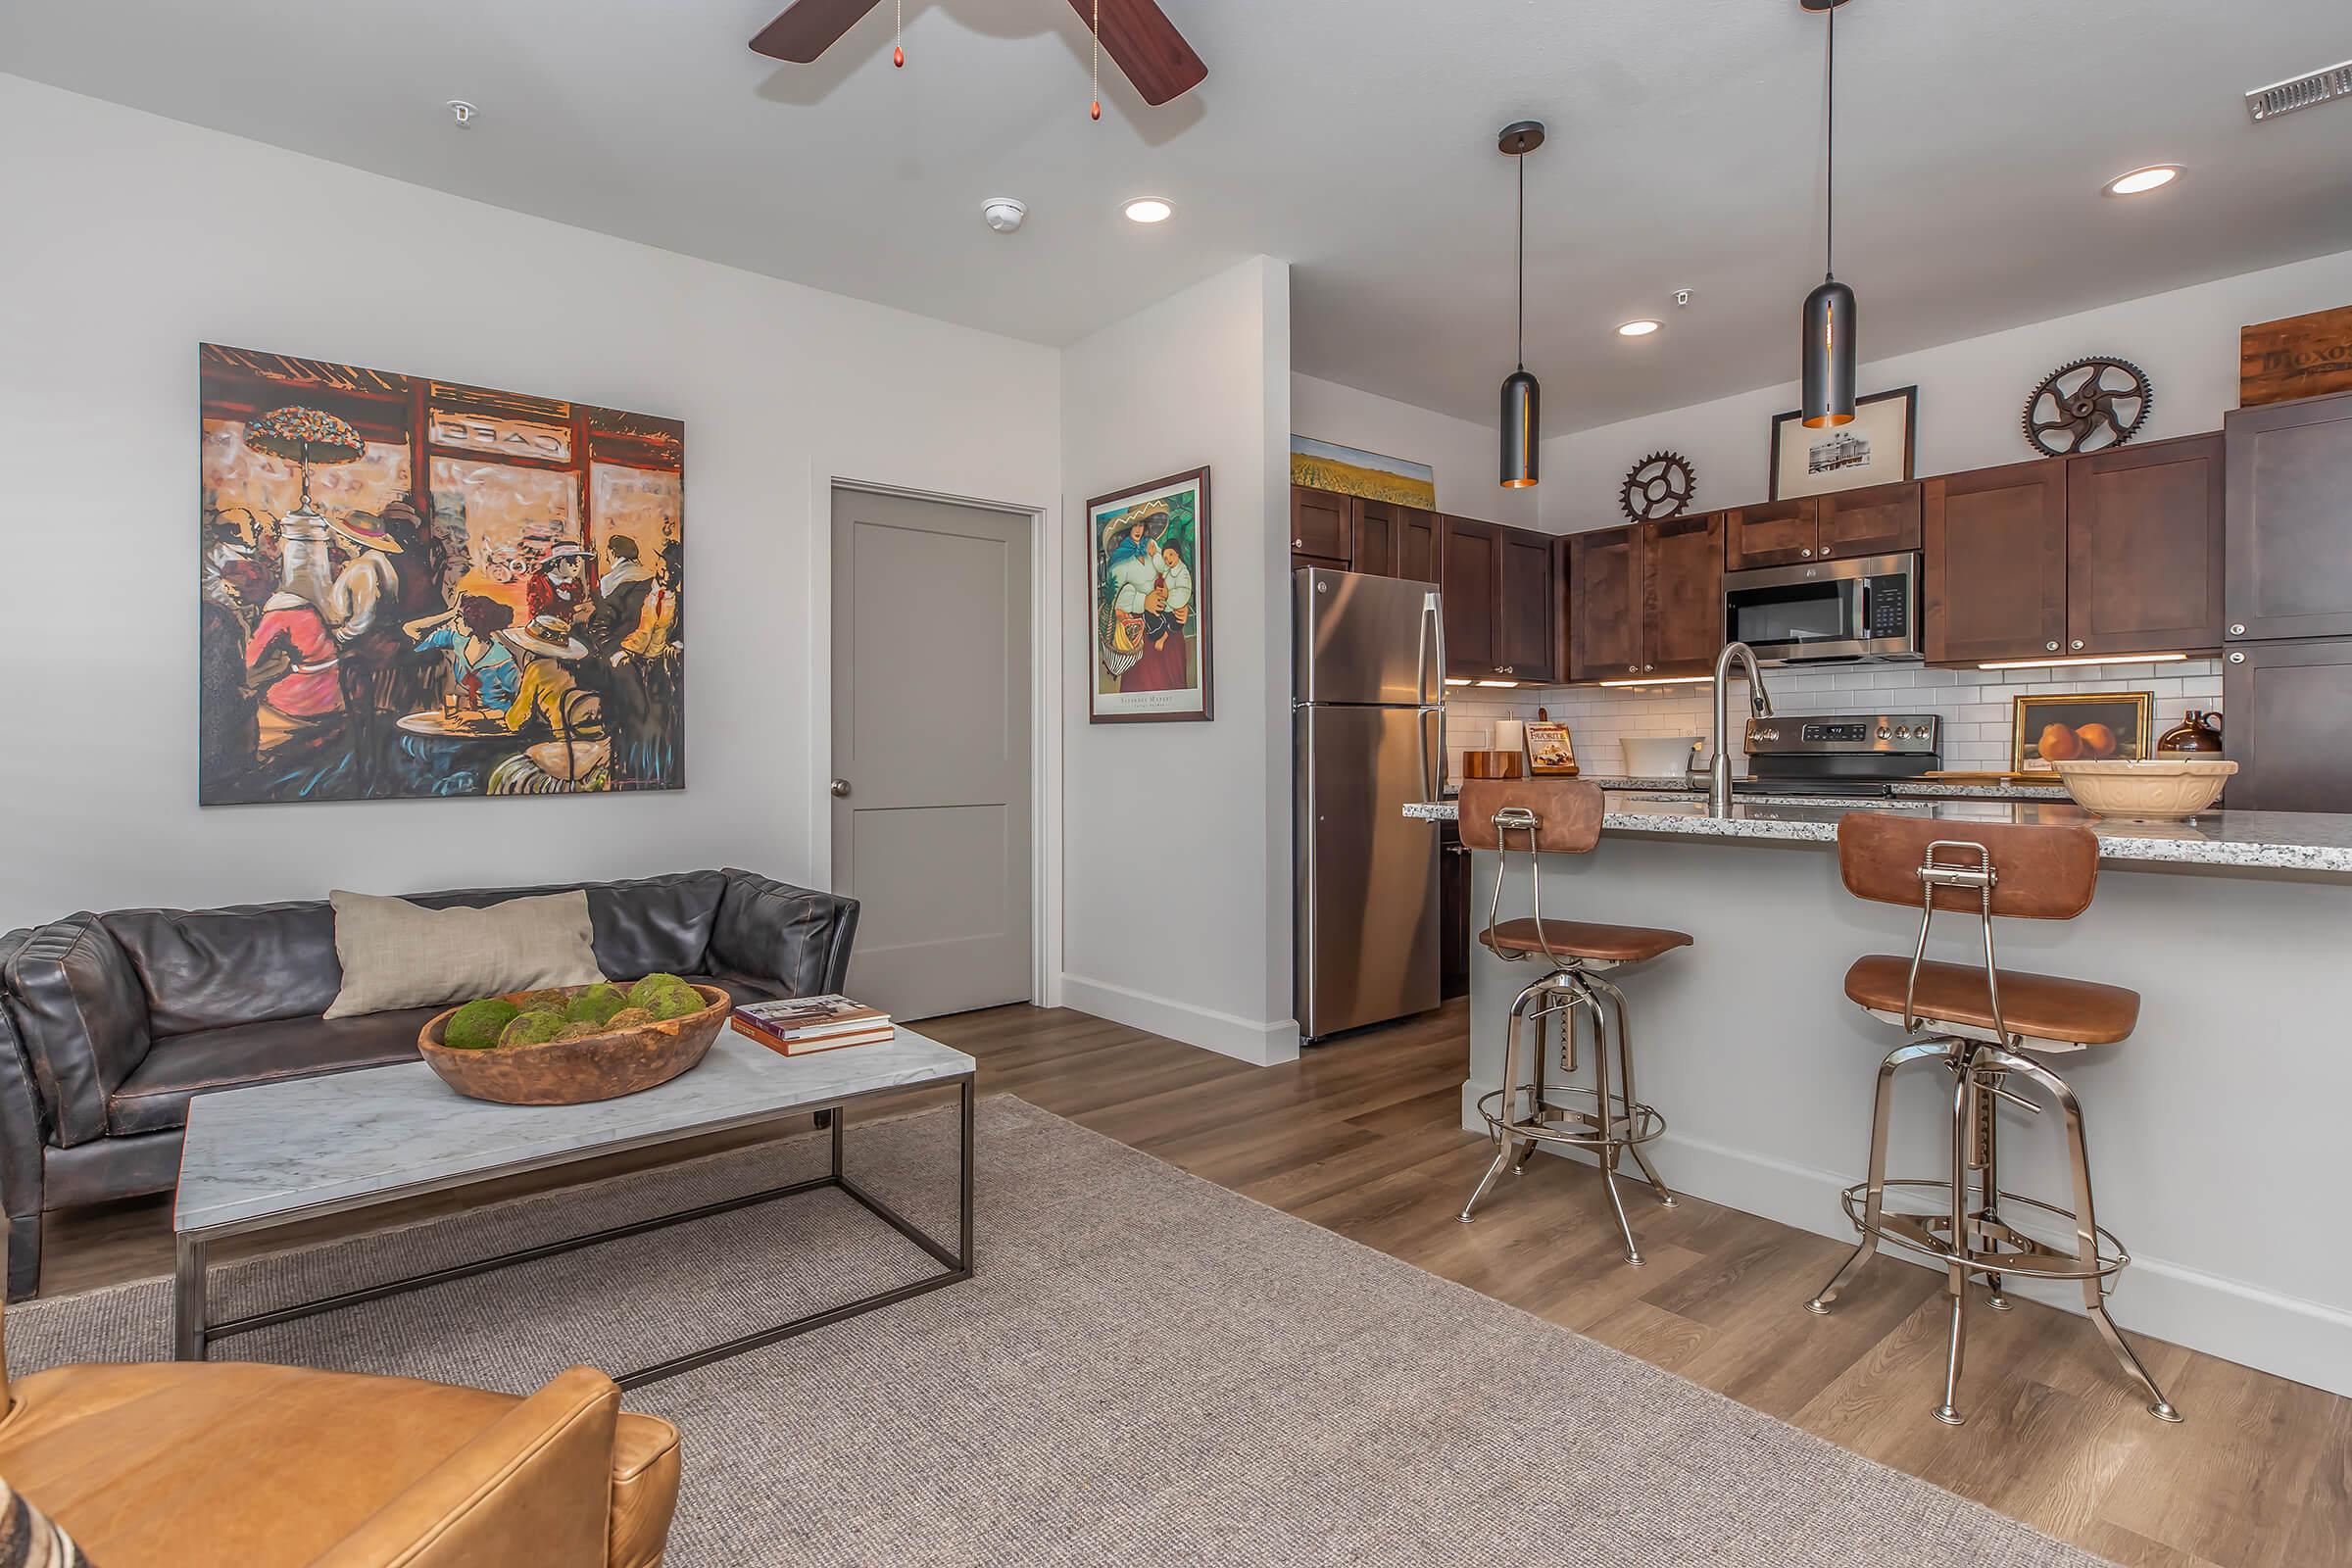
(1837, 610)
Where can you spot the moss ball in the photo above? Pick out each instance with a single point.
(579, 1029)
(630, 1018)
(641, 995)
(533, 1028)
(550, 1000)
(677, 1002)
(597, 1003)
(475, 1026)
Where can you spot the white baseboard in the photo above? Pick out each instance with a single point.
(1262, 1045)
(2238, 1321)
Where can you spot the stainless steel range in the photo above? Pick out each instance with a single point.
(1858, 756)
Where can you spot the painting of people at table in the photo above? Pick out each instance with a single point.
(411, 587)
(1148, 560)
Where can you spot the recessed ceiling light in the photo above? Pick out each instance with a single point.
(1642, 328)
(2142, 180)
(1149, 210)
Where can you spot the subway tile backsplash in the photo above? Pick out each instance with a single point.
(1975, 706)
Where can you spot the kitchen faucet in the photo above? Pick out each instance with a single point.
(1719, 771)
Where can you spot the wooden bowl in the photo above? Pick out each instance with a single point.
(2159, 789)
(576, 1072)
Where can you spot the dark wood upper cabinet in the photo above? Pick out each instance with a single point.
(1375, 535)
(1993, 556)
(1682, 595)
(1881, 520)
(1604, 604)
(1322, 523)
(2289, 708)
(1777, 533)
(1417, 556)
(1526, 606)
(2143, 548)
(2290, 521)
(1471, 553)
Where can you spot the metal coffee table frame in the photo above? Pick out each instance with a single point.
(193, 1333)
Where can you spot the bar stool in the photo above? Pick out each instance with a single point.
(1560, 816)
(1974, 1022)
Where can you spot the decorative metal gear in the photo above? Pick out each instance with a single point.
(2088, 406)
(1657, 488)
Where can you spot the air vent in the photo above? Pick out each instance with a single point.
(2304, 92)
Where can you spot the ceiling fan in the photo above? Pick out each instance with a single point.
(1137, 35)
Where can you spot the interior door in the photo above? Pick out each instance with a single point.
(1994, 559)
(931, 751)
(2143, 548)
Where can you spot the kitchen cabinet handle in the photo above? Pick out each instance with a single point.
(1297, 544)
(1633, 669)
(2078, 645)
(2050, 647)
(1825, 552)
(2237, 658)
(1646, 668)
(2238, 631)
(1808, 555)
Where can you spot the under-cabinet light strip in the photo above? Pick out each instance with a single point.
(2085, 659)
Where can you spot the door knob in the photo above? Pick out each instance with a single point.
(841, 786)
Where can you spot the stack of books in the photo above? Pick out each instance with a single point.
(798, 1026)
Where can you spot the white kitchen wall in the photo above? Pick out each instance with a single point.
(1975, 705)
(131, 238)
(1463, 455)
(1177, 836)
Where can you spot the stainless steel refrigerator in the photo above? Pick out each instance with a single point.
(1367, 736)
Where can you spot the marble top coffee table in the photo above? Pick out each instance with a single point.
(275, 1154)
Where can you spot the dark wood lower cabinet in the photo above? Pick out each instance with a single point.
(2287, 713)
(1453, 912)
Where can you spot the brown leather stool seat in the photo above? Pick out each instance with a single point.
(2040, 1006)
(1583, 939)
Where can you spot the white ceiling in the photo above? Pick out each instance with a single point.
(1354, 137)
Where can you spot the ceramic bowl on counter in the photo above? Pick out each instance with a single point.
(2156, 789)
(1658, 756)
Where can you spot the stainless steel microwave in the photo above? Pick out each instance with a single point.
(1866, 608)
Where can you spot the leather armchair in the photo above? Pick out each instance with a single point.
(242, 1465)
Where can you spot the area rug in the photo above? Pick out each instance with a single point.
(1147, 1369)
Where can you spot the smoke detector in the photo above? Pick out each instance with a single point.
(1003, 213)
(2303, 92)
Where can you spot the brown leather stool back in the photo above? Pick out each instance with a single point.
(2040, 872)
(1567, 812)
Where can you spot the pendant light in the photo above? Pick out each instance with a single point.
(1829, 397)
(1522, 398)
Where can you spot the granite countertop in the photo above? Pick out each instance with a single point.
(1921, 789)
(2275, 841)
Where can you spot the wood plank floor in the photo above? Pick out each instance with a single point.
(1362, 1138)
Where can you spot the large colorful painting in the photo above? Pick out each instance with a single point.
(1146, 556)
(416, 588)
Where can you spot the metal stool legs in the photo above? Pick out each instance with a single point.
(1618, 1122)
(1968, 1239)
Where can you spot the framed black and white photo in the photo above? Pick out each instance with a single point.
(1875, 448)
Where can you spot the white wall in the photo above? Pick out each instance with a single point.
(1464, 455)
(1971, 394)
(131, 238)
(1176, 887)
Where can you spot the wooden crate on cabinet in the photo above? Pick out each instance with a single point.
(2143, 548)
(1994, 557)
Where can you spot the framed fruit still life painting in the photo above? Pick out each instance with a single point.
(2105, 726)
(1147, 578)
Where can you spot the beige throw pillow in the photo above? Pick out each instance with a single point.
(401, 954)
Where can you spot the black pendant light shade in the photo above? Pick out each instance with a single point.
(1830, 337)
(1828, 355)
(1522, 398)
(1522, 429)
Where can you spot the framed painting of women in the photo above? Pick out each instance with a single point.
(1147, 601)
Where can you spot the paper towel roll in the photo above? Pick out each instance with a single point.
(1510, 735)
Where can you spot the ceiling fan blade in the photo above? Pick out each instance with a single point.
(1145, 45)
(807, 28)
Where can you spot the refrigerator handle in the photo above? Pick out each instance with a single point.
(1431, 613)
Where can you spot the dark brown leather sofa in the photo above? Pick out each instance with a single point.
(110, 1023)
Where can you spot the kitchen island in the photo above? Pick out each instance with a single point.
(2217, 1131)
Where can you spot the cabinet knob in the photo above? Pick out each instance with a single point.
(1633, 669)
(1297, 544)
(2078, 645)
(1646, 668)
(1825, 552)
(2238, 631)
(1808, 555)
(2050, 647)
(2237, 658)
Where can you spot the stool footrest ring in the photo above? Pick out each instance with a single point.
(1990, 1246)
(1637, 1123)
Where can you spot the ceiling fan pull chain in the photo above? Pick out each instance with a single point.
(1096, 112)
(898, 50)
